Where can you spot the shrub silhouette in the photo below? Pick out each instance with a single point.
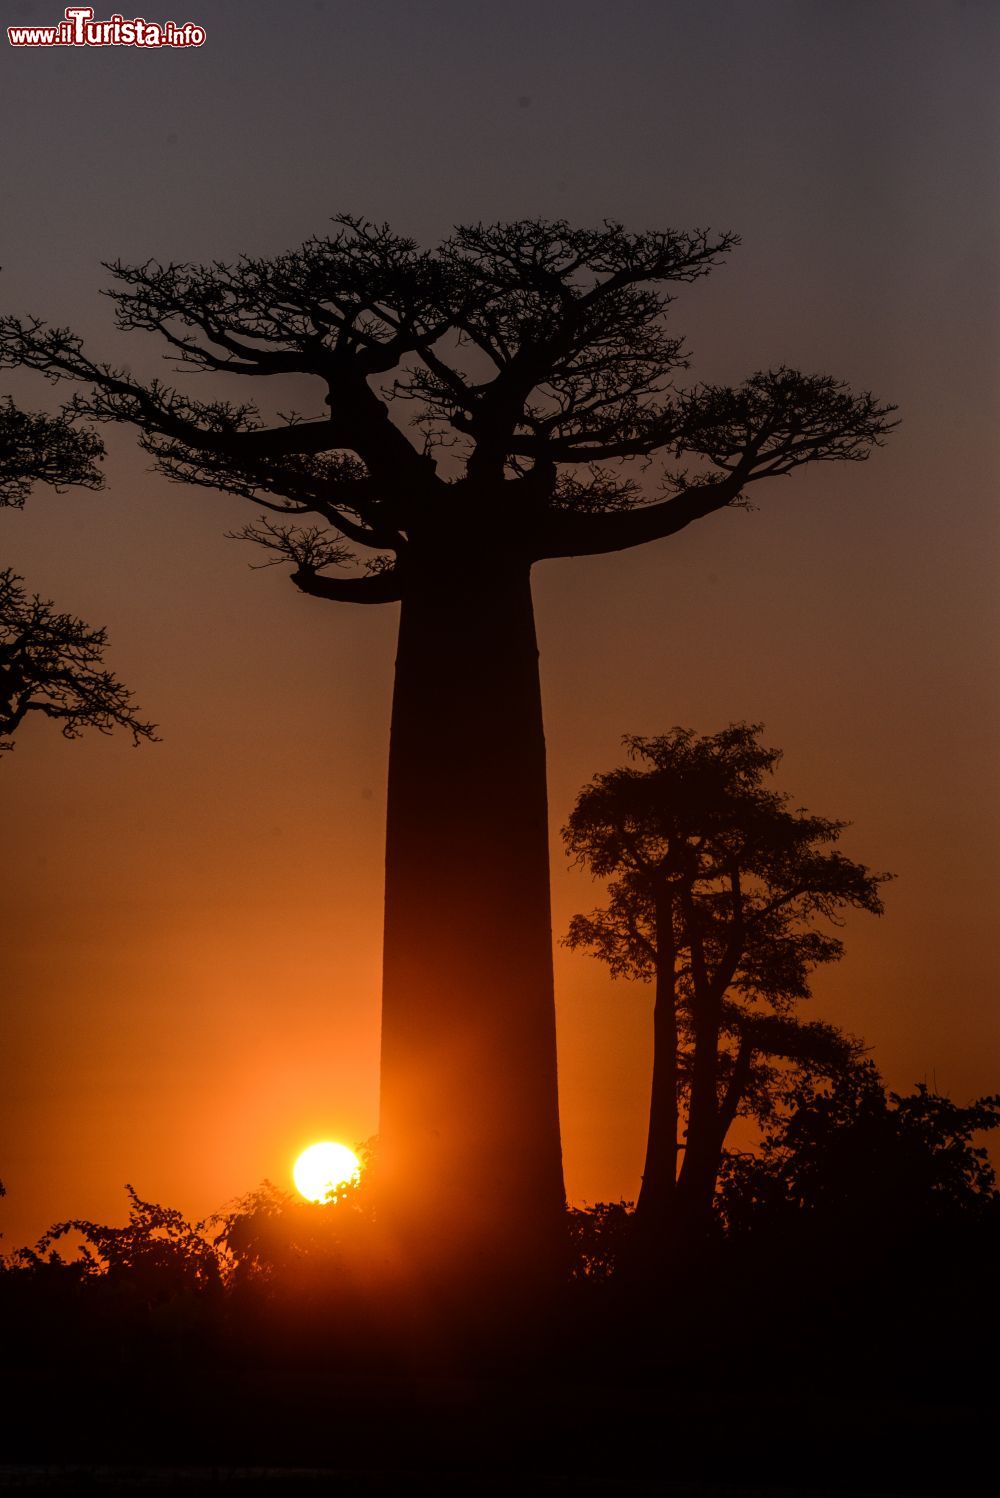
(156, 1255)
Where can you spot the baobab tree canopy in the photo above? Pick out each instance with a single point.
(531, 355)
(481, 406)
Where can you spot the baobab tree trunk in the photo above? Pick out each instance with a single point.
(470, 1164)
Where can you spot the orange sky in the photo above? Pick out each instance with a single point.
(191, 958)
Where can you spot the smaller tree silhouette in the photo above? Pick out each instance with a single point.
(724, 896)
(52, 663)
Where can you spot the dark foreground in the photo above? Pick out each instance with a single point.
(813, 1357)
(328, 1431)
(193, 1482)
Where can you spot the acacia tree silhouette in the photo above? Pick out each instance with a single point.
(52, 663)
(720, 893)
(537, 361)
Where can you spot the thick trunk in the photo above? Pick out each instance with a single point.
(654, 1209)
(470, 1165)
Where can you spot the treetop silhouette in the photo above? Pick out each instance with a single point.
(526, 349)
(536, 374)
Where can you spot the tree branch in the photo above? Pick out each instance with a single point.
(376, 587)
(564, 534)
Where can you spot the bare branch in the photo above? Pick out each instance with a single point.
(311, 551)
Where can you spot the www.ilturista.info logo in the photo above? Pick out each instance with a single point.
(81, 30)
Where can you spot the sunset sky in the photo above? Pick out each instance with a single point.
(191, 943)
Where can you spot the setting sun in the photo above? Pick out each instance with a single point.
(321, 1168)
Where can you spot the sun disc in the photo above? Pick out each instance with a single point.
(323, 1168)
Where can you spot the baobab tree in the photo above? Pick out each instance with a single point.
(725, 899)
(537, 368)
(52, 664)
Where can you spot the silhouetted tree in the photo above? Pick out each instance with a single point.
(720, 893)
(51, 663)
(537, 361)
(850, 1157)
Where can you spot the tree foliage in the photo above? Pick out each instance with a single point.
(157, 1253)
(267, 1238)
(850, 1155)
(598, 1235)
(273, 1236)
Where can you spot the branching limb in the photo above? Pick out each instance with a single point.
(779, 419)
(173, 424)
(311, 551)
(579, 534)
(774, 423)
